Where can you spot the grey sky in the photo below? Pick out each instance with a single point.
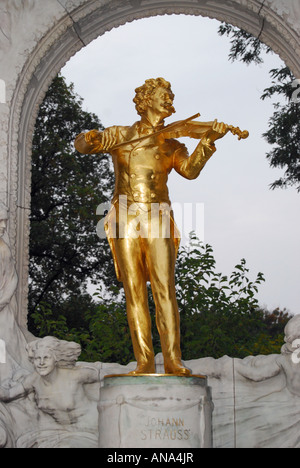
(243, 217)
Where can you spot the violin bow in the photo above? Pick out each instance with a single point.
(234, 130)
(163, 130)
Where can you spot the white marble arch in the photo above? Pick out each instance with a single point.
(38, 38)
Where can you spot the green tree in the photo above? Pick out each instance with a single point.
(284, 130)
(65, 251)
(284, 126)
(219, 315)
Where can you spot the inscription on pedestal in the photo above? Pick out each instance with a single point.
(172, 428)
(155, 412)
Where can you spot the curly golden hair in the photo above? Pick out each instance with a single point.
(144, 93)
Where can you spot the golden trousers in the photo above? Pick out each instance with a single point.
(144, 248)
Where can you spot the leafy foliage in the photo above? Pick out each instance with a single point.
(67, 187)
(284, 125)
(244, 46)
(284, 130)
(219, 315)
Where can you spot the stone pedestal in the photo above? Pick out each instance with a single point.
(155, 411)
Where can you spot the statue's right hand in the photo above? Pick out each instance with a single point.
(102, 140)
(92, 137)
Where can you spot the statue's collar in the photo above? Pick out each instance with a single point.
(145, 125)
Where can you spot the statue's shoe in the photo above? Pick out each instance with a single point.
(143, 369)
(177, 368)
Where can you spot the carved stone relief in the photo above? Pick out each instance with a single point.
(10, 333)
(42, 46)
(256, 400)
(288, 10)
(10, 11)
(62, 413)
(36, 40)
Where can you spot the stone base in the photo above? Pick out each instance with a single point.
(155, 411)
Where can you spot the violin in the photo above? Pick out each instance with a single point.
(186, 128)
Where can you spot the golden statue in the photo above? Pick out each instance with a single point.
(143, 156)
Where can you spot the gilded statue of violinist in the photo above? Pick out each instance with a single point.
(143, 156)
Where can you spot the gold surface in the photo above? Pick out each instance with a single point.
(198, 376)
(180, 128)
(143, 155)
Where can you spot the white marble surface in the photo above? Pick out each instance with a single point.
(36, 39)
(155, 412)
(13, 341)
(289, 10)
(256, 399)
(256, 403)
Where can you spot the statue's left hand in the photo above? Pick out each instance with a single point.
(219, 130)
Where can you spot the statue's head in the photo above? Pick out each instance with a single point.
(292, 329)
(3, 219)
(49, 352)
(292, 335)
(156, 94)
